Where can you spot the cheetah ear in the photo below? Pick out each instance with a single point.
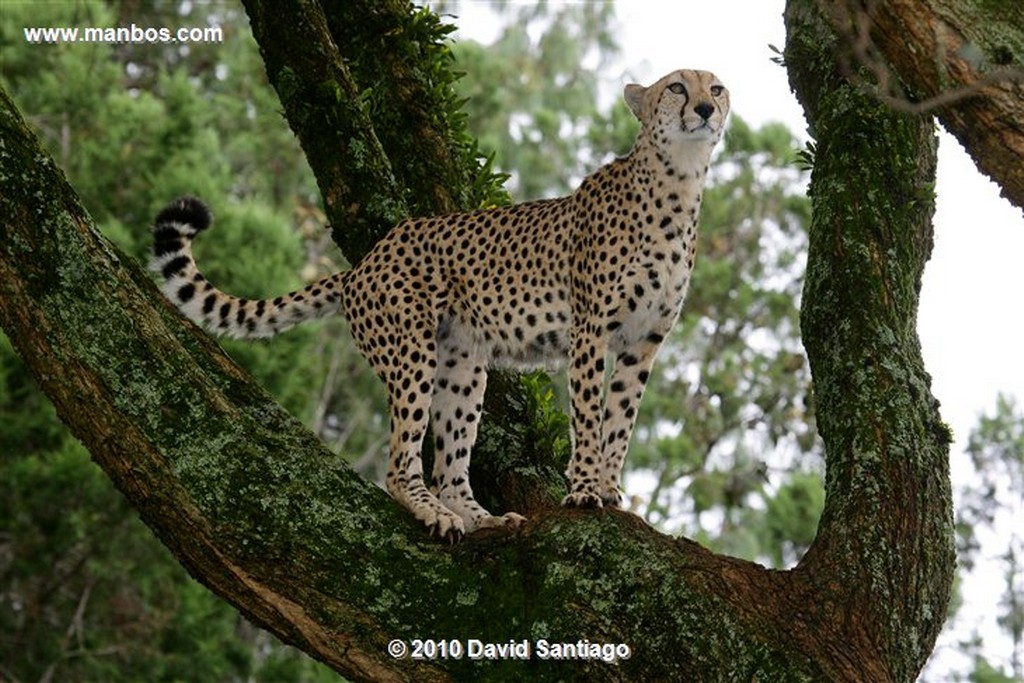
(634, 94)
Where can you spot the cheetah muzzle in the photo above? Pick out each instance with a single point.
(599, 274)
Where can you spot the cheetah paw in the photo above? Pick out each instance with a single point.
(509, 520)
(583, 499)
(451, 534)
(513, 520)
(446, 526)
(612, 498)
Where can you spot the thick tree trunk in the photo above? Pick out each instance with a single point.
(258, 511)
(961, 61)
(886, 531)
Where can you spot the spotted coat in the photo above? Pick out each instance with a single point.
(600, 274)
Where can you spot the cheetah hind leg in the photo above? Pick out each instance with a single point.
(404, 482)
(456, 408)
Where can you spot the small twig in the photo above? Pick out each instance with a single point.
(76, 626)
(7, 676)
(327, 386)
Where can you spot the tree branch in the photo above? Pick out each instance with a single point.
(960, 61)
(854, 28)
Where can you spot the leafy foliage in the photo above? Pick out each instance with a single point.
(990, 501)
(87, 593)
(532, 93)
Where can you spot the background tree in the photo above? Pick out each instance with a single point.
(86, 591)
(532, 94)
(990, 503)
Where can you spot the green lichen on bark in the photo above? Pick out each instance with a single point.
(999, 37)
(367, 88)
(325, 109)
(400, 56)
(887, 523)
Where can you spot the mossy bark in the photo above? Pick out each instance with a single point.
(887, 528)
(965, 57)
(258, 511)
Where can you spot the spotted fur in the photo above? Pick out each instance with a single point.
(600, 273)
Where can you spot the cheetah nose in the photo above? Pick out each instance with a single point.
(704, 110)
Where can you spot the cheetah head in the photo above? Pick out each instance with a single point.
(686, 106)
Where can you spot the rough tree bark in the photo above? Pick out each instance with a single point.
(259, 512)
(961, 61)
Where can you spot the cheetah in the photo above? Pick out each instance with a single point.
(598, 274)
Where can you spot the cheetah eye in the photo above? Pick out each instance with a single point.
(717, 90)
(677, 88)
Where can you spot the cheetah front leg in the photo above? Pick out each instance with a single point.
(586, 381)
(625, 389)
(456, 409)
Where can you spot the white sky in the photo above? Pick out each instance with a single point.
(969, 320)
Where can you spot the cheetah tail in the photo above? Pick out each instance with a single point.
(221, 313)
